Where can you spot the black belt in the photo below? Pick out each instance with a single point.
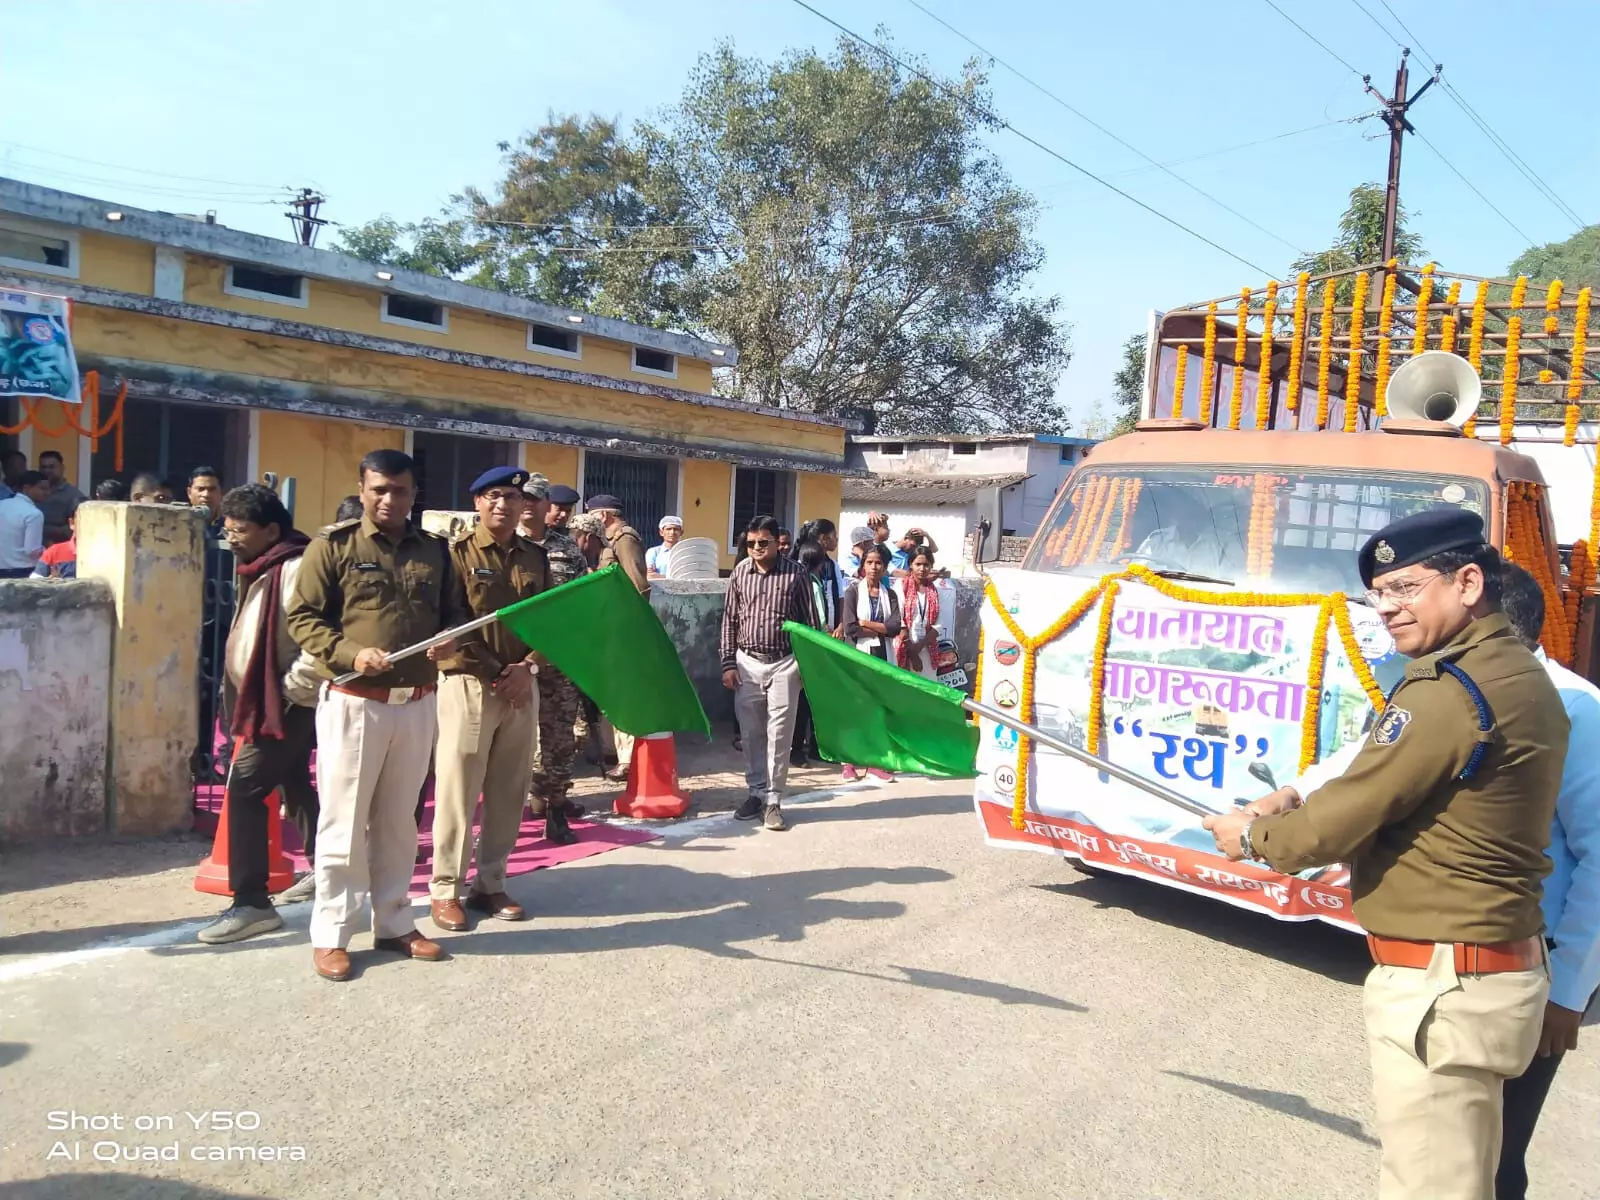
(764, 656)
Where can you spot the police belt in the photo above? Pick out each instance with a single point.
(399, 695)
(1471, 958)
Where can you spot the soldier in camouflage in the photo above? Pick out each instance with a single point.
(557, 745)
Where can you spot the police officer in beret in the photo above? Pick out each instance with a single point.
(488, 710)
(1443, 817)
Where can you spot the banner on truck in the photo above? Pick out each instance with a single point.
(36, 356)
(1209, 700)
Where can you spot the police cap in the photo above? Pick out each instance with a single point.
(512, 477)
(596, 503)
(561, 494)
(1420, 536)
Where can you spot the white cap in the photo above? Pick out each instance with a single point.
(671, 523)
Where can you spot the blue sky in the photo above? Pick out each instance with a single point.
(389, 107)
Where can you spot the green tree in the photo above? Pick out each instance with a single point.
(1360, 238)
(1576, 261)
(1127, 385)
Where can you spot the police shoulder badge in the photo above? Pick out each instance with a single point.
(1390, 726)
(1384, 553)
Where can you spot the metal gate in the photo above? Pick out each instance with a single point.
(640, 483)
(213, 750)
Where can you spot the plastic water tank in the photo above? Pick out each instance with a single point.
(693, 558)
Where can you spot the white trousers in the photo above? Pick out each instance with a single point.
(767, 703)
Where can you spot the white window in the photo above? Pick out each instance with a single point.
(259, 283)
(40, 248)
(655, 362)
(891, 450)
(419, 314)
(547, 339)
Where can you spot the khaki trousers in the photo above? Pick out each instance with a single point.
(766, 703)
(372, 759)
(1443, 1046)
(484, 745)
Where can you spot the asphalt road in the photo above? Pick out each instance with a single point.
(871, 1004)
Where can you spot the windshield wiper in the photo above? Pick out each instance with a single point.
(1190, 577)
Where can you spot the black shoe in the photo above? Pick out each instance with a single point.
(749, 810)
(797, 758)
(556, 830)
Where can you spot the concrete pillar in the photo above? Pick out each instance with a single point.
(153, 559)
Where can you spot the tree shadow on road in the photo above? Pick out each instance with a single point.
(1287, 1103)
(1310, 945)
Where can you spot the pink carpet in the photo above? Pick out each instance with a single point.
(531, 854)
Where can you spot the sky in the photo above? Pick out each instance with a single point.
(389, 108)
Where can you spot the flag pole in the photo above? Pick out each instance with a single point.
(1083, 756)
(437, 639)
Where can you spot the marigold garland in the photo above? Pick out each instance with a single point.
(1579, 578)
(1325, 355)
(1334, 604)
(1091, 513)
(1419, 337)
(1055, 546)
(1447, 323)
(1352, 383)
(1525, 546)
(1103, 526)
(1380, 370)
(1269, 313)
(1552, 308)
(1097, 665)
(1302, 284)
(1208, 366)
(1546, 375)
(1580, 347)
(1513, 362)
(1179, 378)
(1311, 719)
(1263, 516)
(1236, 400)
(1130, 501)
(1480, 309)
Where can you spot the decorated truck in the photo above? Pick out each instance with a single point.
(1190, 609)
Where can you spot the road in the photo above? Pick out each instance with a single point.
(872, 1004)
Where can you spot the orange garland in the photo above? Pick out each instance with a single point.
(1264, 370)
(1103, 525)
(1580, 577)
(1325, 356)
(1380, 371)
(1302, 284)
(1097, 666)
(1263, 517)
(1419, 336)
(1447, 323)
(1525, 546)
(1480, 307)
(1089, 513)
(1208, 367)
(1179, 378)
(1580, 347)
(1130, 501)
(1236, 401)
(94, 431)
(1352, 383)
(1552, 308)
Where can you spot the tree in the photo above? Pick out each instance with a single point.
(1127, 385)
(837, 219)
(1576, 261)
(1360, 239)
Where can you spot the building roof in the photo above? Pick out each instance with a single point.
(967, 439)
(203, 237)
(925, 489)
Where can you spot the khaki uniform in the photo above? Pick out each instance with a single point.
(1435, 858)
(484, 743)
(624, 547)
(359, 588)
(556, 746)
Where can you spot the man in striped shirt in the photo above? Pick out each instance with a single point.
(758, 665)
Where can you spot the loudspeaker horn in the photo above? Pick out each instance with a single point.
(1434, 386)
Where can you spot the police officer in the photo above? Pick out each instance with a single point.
(487, 710)
(366, 586)
(559, 701)
(625, 547)
(1443, 817)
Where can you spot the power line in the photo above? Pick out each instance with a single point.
(1337, 57)
(1528, 238)
(228, 183)
(1121, 141)
(1382, 28)
(1415, 40)
(1032, 141)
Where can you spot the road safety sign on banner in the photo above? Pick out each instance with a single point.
(36, 357)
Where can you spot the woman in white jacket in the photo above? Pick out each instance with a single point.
(871, 619)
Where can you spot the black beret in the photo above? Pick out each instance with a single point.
(513, 477)
(1421, 535)
(561, 494)
(594, 503)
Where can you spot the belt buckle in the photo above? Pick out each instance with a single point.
(400, 695)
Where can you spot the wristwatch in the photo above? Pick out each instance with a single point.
(1245, 846)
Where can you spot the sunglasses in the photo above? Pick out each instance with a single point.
(758, 543)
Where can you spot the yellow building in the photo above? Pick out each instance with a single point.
(256, 355)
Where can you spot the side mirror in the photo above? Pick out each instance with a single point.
(986, 535)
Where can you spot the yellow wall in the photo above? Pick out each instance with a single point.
(558, 464)
(358, 309)
(52, 417)
(115, 262)
(160, 340)
(323, 455)
(820, 496)
(707, 497)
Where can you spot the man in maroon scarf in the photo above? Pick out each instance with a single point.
(270, 694)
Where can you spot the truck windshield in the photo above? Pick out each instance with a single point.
(1293, 530)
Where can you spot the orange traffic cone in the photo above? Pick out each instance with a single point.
(212, 875)
(652, 790)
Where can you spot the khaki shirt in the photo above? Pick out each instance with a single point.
(358, 588)
(1433, 858)
(494, 578)
(626, 548)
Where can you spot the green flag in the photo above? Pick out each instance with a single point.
(604, 636)
(873, 715)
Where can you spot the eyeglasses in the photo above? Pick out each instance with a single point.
(1403, 593)
(503, 497)
(758, 543)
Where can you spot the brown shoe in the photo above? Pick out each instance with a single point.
(412, 945)
(448, 914)
(496, 904)
(331, 964)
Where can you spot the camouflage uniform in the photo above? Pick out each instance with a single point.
(559, 705)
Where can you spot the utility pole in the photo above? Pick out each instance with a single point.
(304, 217)
(1394, 116)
